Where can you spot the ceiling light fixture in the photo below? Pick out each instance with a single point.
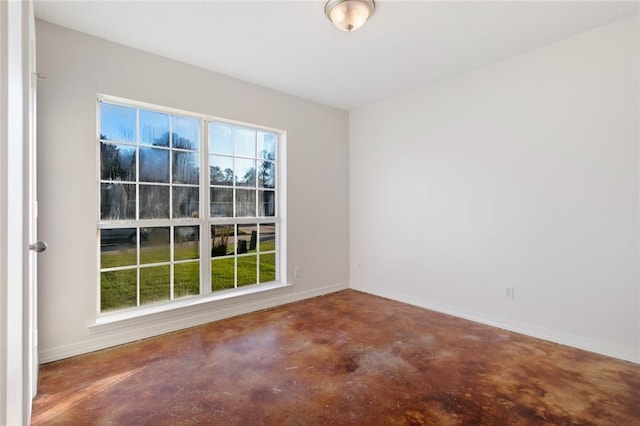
(349, 15)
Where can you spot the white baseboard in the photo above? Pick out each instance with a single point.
(166, 322)
(556, 336)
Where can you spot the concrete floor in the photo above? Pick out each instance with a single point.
(344, 358)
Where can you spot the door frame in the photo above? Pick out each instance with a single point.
(31, 201)
(15, 294)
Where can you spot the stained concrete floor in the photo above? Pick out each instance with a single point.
(344, 358)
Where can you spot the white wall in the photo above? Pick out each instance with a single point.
(523, 173)
(78, 66)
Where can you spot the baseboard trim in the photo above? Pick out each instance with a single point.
(168, 322)
(568, 339)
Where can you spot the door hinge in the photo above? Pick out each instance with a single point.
(35, 76)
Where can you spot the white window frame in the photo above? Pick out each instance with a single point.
(204, 220)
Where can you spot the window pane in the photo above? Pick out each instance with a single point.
(220, 139)
(266, 203)
(186, 132)
(267, 237)
(117, 123)
(245, 142)
(156, 249)
(186, 240)
(266, 174)
(117, 201)
(154, 165)
(245, 203)
(186, 279)
(267, 145)
(247, 270)
(222, 240)
(118, 289)
(117, 162)
(154, 128)
(154, 284)
(267, 267)
(221, 202)
(185, 202)
(222, 273)
(247, 238)
(154, 202)
(221, 170)
(186, 168)
(118, 247)
(245, 172)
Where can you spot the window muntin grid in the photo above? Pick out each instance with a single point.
(157, 176)
(243, 187)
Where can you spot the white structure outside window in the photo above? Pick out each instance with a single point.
(189, 205)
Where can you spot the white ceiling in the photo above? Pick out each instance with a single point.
(292, 47)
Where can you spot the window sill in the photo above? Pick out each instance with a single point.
(191, 305)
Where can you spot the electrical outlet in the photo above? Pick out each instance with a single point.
(297, 272)
(508, 292)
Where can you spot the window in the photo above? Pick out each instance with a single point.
(168, 230)
(242, 179)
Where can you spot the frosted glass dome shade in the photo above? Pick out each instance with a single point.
(349, 15)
